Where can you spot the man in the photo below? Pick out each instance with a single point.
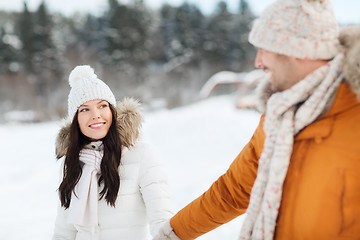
(299, 176)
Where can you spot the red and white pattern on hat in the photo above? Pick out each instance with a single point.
(305, 29)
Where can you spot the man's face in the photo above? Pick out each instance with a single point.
(282, 69)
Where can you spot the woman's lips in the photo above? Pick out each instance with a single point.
(96, 125)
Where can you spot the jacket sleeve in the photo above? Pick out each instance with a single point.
(63, 230)
(227, 198)
(154, 189)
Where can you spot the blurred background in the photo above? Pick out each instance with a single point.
(161, 56)
(161, 52)
(169, 54)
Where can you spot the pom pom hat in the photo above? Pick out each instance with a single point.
(305, 29)
(86, 86)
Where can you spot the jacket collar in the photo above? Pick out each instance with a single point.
(344, 100)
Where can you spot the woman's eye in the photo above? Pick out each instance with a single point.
(103, 106)
(84, 110)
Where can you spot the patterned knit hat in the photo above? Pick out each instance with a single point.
(86, 86)
(305, 29)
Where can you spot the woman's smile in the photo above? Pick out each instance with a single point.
(97, 125)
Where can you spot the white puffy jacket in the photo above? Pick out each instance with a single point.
(143, 199)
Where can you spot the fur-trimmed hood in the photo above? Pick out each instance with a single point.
(349, 39)
(129, 120)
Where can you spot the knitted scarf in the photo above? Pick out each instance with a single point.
(284, 119)
(83, 209)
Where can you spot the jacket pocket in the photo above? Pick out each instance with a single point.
(351, 204)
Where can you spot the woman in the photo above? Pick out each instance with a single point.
(113, 184)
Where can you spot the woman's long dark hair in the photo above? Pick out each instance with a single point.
(109, 164)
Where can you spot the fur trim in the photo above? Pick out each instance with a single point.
(129, 119)
(263, 92)
(349, 40)
(62, 141)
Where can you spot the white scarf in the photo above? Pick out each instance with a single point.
(83, 209)
(282, 123)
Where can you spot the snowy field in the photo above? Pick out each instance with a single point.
(197, 142)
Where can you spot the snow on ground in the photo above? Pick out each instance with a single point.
(197, 142)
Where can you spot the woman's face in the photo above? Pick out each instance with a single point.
(95, 118)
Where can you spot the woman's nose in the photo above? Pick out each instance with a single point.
(96, 115)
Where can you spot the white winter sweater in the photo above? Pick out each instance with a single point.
(143, 200)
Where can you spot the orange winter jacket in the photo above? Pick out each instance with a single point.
(321, 192)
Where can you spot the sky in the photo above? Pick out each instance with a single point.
(346, 11)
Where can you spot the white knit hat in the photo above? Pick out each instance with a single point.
(86, 86)
(305, 29)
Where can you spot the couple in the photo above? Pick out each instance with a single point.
(297, 178)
